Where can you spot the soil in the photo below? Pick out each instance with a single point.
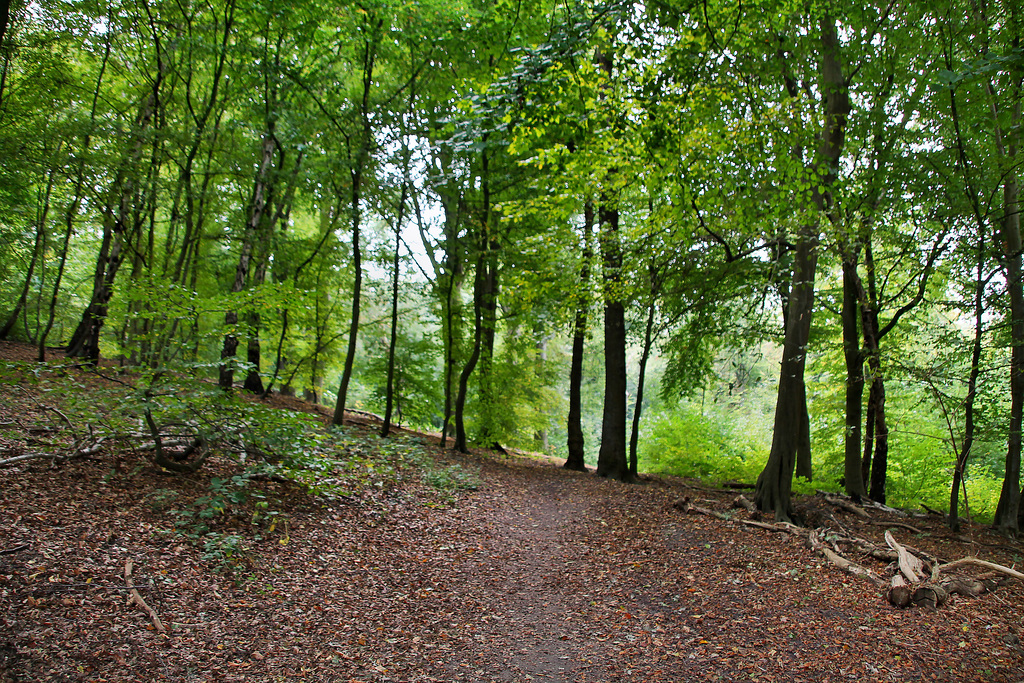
(540, 574)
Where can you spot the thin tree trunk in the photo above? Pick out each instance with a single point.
(634, 435)
(395, 280)
(1006, 517)
(574, 423)
(357, 288)
(461, 444)
(359, 167)
(854, 358)
(972, 387)
(489, 316)
(37, 252)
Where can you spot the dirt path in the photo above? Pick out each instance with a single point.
(541, 575)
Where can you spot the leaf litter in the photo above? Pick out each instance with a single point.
(528, 573)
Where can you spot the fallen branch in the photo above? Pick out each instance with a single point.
(685, 505)
(852, 567)
(137, 598)
(816, 542)
(980, 563)
(78, 453)
(741, 502)
(847, 505)
(911, 565)
(898, 525)
(20, 458)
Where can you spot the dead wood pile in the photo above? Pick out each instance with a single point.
(915, 577)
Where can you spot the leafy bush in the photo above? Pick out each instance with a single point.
(686, 442)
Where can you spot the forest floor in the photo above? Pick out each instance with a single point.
(539, 574)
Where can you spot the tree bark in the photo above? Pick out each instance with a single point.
(774, 485)
(1006, 517)
(37, 251)
(120, 229)
(395, 279)
(461, 443)
(612, 458)
(854, 358)
(634, 435)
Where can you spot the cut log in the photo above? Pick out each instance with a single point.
(899, 593)
(930, 595)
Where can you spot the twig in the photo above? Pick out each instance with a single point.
(137, 599)
(15, 549)
(63, 416)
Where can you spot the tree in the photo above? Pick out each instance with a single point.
(774, 484)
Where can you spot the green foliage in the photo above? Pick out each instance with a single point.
(417, 394)
(688, 442)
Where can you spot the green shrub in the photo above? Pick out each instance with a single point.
(687, 443)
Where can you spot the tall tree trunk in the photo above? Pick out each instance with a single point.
(357, 289)
(574, 422)
(489, 315)
(1006, 517)
(452, 311)
(774, 485)
(120, 229)
(612, 459)
(854, 358)
(461, 443)
(5, 22)
(359, 160)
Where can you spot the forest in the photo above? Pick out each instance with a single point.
(773, 240)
